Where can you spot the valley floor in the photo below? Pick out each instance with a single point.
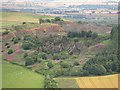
(108, 81)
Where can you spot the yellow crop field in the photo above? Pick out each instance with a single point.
(109, 81)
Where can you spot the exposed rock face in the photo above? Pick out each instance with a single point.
(61, 43)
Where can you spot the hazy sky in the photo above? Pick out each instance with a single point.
(63, 0)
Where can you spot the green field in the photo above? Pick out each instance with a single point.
(19, 77)
(67, 83)
(15, 18)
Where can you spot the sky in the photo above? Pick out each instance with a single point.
(62, 0)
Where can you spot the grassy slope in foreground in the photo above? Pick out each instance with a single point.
(19, 77)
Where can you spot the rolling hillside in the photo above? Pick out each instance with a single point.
(66, 51)
(19, 77)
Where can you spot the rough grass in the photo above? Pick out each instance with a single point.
(106, 42)
(9, 23)
(19, 77)
(67, 83)
(13, 18)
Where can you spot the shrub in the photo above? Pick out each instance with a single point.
(50, 83)
(50, 64)
(42, 55)
(60, 55)
(27, 37)
(64, 64)
(16, 40)
(27, 45)
(24, 23)
(48, 20)
(18, 27)
(29, 61)
(10, 51)
(41, 21)
(5, 32)
(82, 34)
(8, 46)
(95, 35)
(57, 18)
(83, 73)
(76, 63)
(25, 55)
(79, 22)
(96, 69)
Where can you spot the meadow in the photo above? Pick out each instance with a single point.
(16, 18)
(19, 77)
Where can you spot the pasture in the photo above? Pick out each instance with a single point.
(67, 83)
(16, 18)
(19, 77)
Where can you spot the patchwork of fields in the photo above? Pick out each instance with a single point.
(109, 81)
(19, 77)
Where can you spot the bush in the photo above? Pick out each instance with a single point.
(25, 55)
(60, 55)
(96, 69)
(50, 83)
(27, 37)
(48, 20)
(8, 46)
(16, 40)
(79, 22)
(64, 64)
(76, 63)
(42, 55)
(95, 35)
(41, 21)
(27, 45)
(57, 19)
(83, 73)
(10, 51)
(50, 64)
(29, 61)
(82, 34)
(24, 23)
(18, 27)
(5, 32)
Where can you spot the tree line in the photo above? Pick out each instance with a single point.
(82, 34)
